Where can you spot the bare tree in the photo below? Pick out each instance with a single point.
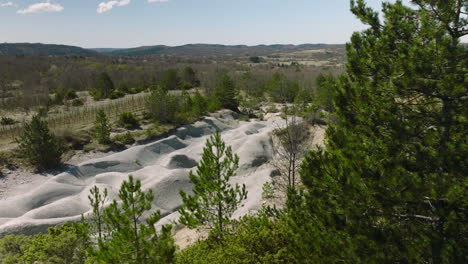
(290, 144)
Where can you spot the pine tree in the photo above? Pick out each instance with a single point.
(97, 201)
(39, 146)
(129, 238)
(226, 92)
(189, 77)
(104, 86)
(214, 199)
(391, 185)
(102, 128)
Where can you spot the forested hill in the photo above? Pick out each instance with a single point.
(38, 49)
(214, 50)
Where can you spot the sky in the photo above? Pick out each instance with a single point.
(133, 23)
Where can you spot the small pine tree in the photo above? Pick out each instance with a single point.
(39, 146)
(102, 128)
(214, 199)
(130, 239)
(97, 201)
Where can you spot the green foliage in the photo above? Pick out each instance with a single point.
(177, 109)
(97, 200)
(255, 239)
(125, 138)
(268, 192)
(391, 185)
(281, 89)
(7, 121)
(12, 248)
(326, 87)
(62, 94)
(214, 199)
(171, 80)
(254, 59)
(249, 105)
(77, 102)
(103, 87)
(128, 121)
(102, 128)
(64, 244)
(199, 104)
(116, 94)
(129, 238)
(162, 106)
(189, 78)
(39, 146)
(225, 92)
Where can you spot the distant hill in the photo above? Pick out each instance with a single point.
(213, 50)
(38, 49)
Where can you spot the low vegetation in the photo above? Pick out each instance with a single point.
(39, 146)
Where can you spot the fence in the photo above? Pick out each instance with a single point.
(75, 117)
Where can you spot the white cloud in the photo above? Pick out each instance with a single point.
(106, 6)
(45, 7)
(5, 4)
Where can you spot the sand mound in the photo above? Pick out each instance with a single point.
(162, 166)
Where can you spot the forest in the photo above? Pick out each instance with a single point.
(388, 185)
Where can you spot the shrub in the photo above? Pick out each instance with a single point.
(128, 121)
(39, 146)
(7, 121)
(255, 239)
(70, 94)
(116, 94)
(64, 244)
(77, 102)
(125, 139)
(254, 59)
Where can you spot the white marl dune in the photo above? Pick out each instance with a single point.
(162, 166)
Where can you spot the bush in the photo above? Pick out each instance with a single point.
(7, 121)
(254, 59)
(64, 244)
(116, 94)
(125, 139)
(128, 121)
(70, 94)
(77, 102)
(39, 146)
(256, 239)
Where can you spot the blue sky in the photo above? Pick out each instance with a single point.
(131, 23)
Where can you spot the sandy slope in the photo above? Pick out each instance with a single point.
(162, 166)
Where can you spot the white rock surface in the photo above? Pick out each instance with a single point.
(162, 166)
